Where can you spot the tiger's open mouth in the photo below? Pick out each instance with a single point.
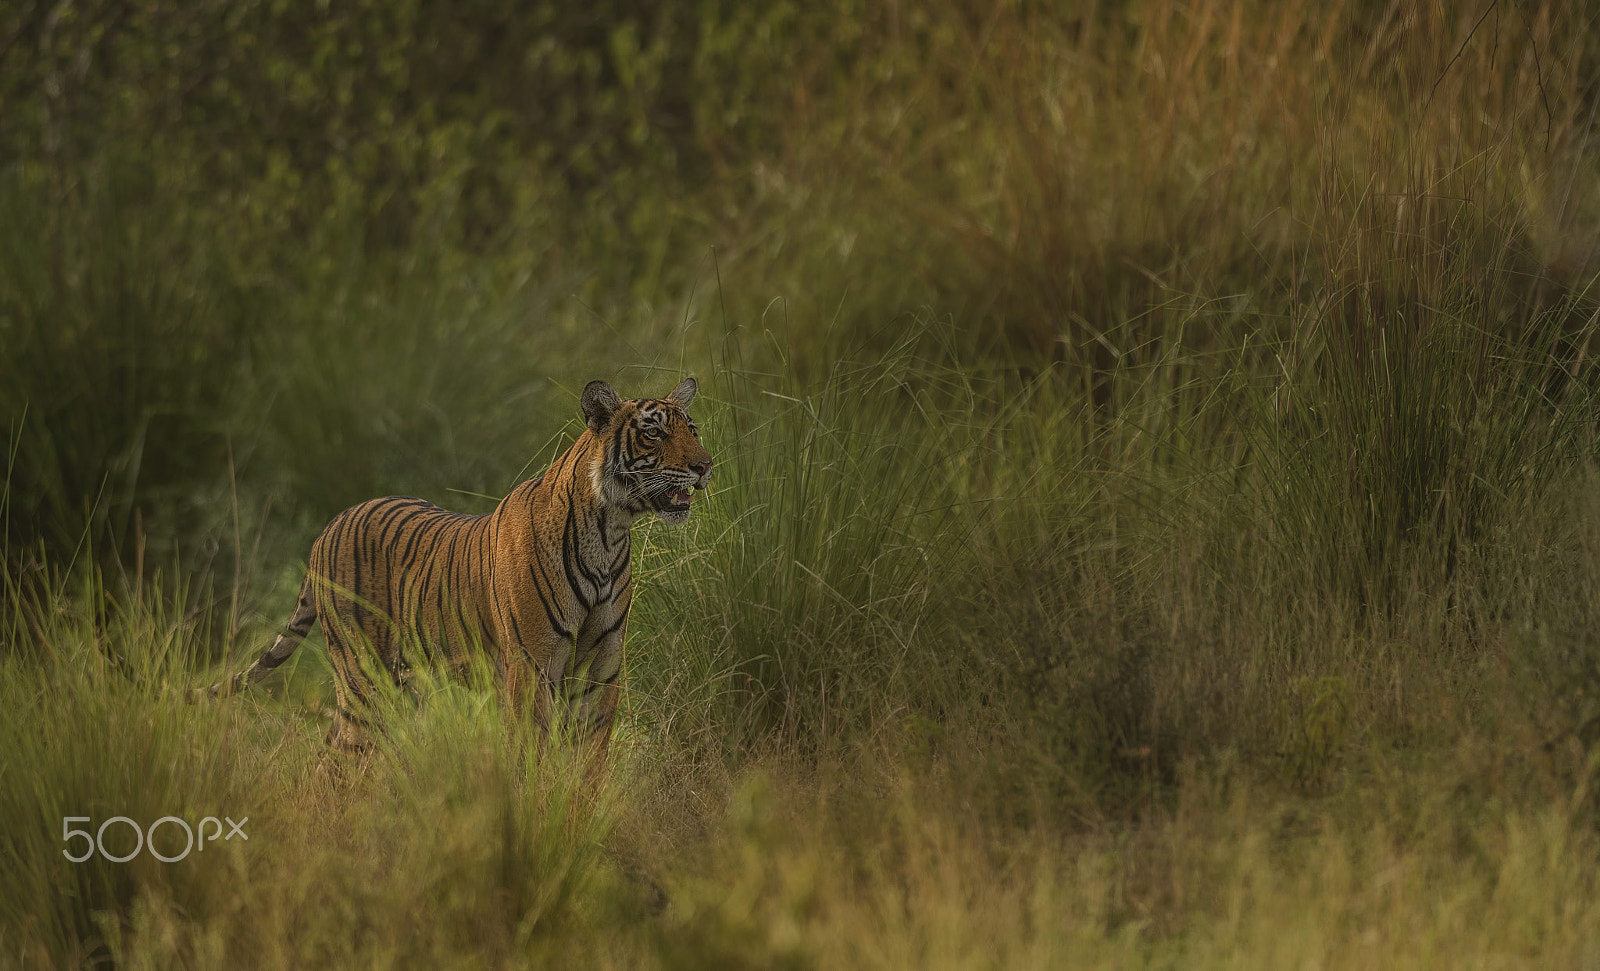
(674, 500)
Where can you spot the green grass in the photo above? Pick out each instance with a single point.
(940, 663)
(1154, 520)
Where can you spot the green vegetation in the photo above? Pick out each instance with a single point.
(1156, 519)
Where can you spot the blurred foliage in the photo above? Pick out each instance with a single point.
(117, 376)
(411, 117)
(269, 253)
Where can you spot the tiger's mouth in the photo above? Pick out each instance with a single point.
(675, 500)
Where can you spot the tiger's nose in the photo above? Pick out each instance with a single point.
(701, 468)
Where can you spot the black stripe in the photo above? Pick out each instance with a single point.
(350, 671)
(447, 589)
(484, 579)
(425, 583)
(623, 619)
(405, 558)
(516, 629)
(549, 609)
(400, 580)
(618, 450)
(593, 686)
(392, 512)
(594, 577)
(355, 569)
(271, 658)
(569, 554)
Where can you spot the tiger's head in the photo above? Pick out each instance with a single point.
(653, 459)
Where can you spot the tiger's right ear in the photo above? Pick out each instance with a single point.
(683, 394)
(600, 402)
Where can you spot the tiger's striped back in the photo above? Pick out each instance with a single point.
(404, 575)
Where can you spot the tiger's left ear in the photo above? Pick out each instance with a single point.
(600, 402)
(684, 392)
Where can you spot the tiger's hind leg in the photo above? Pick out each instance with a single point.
(349, 747)
(347, 753)
(349, 735)
(352, 735)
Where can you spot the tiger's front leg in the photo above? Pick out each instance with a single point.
(526, 705)
(593, 687)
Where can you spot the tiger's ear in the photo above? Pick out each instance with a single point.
(684, 392)
(600, 402)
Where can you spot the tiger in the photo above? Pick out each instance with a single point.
(542, 583)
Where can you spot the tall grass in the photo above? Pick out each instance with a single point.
(1211, 566)
(982, 629)
(802, 586)
(94, 732)
(121, 334)
(443, 822)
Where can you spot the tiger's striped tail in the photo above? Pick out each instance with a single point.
(305, 614)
